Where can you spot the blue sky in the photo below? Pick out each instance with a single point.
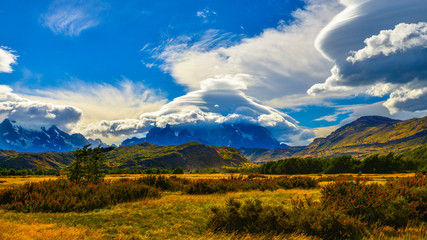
(113, 69)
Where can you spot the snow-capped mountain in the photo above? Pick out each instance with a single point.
(14, 137)
(232, 135)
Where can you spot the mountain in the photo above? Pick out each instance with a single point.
(231, 135)
(369, 135)
(14, 137)
(261, 155)
(191, 155)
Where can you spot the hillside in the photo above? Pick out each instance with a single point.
(369, 135)
(189, 156)
(261, 155)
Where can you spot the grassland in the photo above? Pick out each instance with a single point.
(173, 216)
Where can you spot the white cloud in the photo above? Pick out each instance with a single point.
(102, 101)
(400, 39)
(7, 58)
(379, 48)
(71, 17)
(367, 22)
(222, 102)
(34, 114)
(280, 61)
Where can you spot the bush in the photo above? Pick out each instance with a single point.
(178, 170)
(233, 184)
(252, 216)
(372, 203)
(68, 196)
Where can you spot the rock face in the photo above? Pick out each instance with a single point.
(13, 137)
(369, 135)
(231, 135)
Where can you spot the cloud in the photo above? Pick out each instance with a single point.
(280, 61)
(220, 100)
(102, 101)
(400, 39)
(205, 13)
(35, 114)
(71, 17)
(7, 58)
(379, 48)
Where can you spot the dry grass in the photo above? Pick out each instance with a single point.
(173, 216)
(13, 231)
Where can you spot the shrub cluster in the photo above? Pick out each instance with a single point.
(233, 184)
(66, 196)
(347, 210)
(28, 171)
(311, 219)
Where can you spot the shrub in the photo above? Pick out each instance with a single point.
(178, 170)
(165, 183)
(252, 216)
(233, 184)
(372, 203)
(68, 196)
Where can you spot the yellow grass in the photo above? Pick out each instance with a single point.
(173, 216)
(14, 231)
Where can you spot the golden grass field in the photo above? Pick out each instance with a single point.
(173, 216)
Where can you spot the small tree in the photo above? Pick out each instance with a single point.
(86, 166)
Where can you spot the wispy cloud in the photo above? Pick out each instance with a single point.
(205, 14)
(72, 17)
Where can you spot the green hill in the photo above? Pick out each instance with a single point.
(370, 135)
(191, 155)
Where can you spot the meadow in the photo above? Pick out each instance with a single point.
(177, 214)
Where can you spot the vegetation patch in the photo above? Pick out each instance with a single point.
(68, 196)
(347, 210)
(234, 184)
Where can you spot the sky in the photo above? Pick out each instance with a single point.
(114, 69)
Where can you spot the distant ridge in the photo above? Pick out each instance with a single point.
(370, 135)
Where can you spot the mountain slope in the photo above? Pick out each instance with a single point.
(261, 155)
(370, 135)
(231, 135)
(189, 156)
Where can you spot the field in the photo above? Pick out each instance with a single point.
(173, 216)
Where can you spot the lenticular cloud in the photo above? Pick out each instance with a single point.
(218, 101)
(378, 43)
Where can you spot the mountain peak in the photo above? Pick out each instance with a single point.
(375, 120)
